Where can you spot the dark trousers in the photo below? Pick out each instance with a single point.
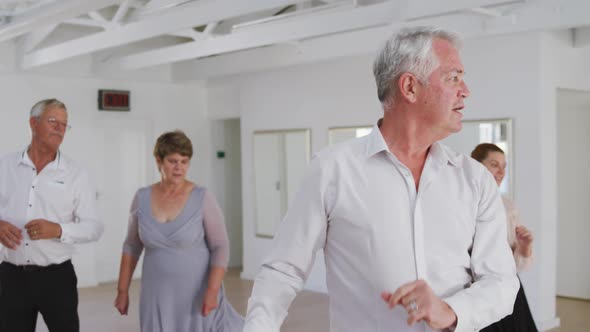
(26, 291)
(521, 319)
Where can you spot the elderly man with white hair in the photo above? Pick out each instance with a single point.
(47, 204)
(411, 230)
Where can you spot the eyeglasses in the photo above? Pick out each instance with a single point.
(55, 123)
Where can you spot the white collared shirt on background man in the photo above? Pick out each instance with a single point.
(359, 204)
(61, 193)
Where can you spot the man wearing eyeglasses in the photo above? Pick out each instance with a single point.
(47, 205)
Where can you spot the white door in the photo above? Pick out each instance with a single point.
(267, 182)
(124, 170)
(573, 176)
(296, 154)
(116, 155)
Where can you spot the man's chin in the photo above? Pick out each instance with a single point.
(54, 145)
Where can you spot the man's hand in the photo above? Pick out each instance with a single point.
(43, 229)
(421, 304)
(209, 302)
(10, 235)
(524, 238)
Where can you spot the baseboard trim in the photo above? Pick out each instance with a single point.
(549, 324)
(247, 275)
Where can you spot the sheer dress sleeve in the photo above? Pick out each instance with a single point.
(215, 232)
(133, 245)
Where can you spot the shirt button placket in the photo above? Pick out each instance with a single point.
(32, 195)
(30, 209)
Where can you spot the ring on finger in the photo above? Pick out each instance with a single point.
(412, 306)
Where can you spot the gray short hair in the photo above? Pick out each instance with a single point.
(44, 104)
(408, 51)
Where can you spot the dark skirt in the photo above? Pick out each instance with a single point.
(520, 320)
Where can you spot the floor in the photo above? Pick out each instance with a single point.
(309, 311)
(574, 315)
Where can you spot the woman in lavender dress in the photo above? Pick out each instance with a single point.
(181, 228)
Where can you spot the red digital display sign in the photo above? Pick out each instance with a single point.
(113, 100)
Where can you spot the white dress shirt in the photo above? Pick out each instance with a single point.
(60, 193)
(359, 203)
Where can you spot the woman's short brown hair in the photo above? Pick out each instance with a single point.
(173, 142)
(480, 153)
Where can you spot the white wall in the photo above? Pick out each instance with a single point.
(573, 117)
(299, 97)
(512, 89)
(155, 108)
(568, 68)
(503, 74)
(226, 181)
(521, 85)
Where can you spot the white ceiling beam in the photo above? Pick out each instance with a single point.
(121, 12)
(194, 34)
(367, 41)
(304, 27)
(359, 42)
(187, 16)
(439, 8)
(136, 4)
(303, 5)
(486, 12)
(540, 15)
(339, 6)
(155, 5)
(186, 33)
(97, 17)
(87, 22)
(210, 27)
(34, 38)
(353, 43)
(52, 13)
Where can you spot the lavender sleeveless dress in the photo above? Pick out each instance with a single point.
(176, 265)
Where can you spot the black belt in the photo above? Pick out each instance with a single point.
(34, 268)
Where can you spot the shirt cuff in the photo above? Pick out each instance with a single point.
(65, 234)
(462, 310)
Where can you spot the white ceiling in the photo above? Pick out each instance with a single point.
(15, 7)
(134, 34)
